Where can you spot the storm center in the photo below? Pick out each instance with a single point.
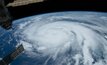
(52, 36)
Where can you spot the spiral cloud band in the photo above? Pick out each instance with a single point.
(65, 38)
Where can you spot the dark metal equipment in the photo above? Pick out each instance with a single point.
(9, 58)
(5, 18)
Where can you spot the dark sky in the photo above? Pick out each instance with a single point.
(58, 5)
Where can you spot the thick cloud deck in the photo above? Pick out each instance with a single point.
(64, 38)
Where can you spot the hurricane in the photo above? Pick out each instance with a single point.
(64, 38)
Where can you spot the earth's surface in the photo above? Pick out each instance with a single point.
(59, 38)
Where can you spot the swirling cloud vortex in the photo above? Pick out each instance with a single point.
(66, 38)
